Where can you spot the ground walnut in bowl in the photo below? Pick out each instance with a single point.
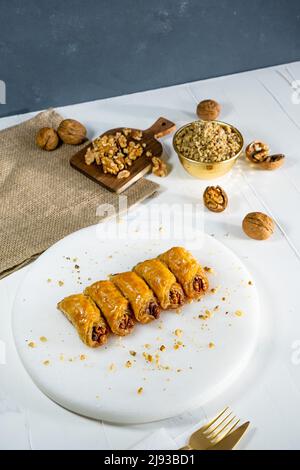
(208, 149)
(208, 141)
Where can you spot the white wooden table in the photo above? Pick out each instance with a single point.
(263, 105)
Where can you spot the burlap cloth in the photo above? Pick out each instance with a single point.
(43, 199)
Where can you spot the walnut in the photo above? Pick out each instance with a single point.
(257, 151)
(137, 135)
(109, 166)
(72, 132)
(208, 110)
(47, 139)
(159, 167)
(215, 198)
(258, 226)
(123, 174)
(89, 156)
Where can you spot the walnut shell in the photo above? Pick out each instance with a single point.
(215, 198)
(272, 162)
(258, 226)
(257, 152)
(208, 110)
(47, 139)
(72, 132)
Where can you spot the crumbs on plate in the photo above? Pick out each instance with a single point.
(239, 313)
(209, 270)
(132, 353)
(148, 357)
(207, 314)
(178, 333)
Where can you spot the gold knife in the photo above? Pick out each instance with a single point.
(230, 441)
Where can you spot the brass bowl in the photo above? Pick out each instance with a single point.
(212, 170)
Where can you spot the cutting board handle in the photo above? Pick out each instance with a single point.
(161, 127)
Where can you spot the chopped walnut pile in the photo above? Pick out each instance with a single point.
(116, 152)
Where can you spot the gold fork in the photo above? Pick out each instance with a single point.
(213, 432)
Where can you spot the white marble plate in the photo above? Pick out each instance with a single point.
(96, 383)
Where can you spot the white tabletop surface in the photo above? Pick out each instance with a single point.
(263, 105)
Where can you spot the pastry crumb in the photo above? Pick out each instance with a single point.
(112, 367)
(140, 390)
(31, 344)
(162, 348)
(128, 364)
(49, 280)
(207, 314)
(46, 363)
(211, 345)
(216, 308)
(43, 339)
(239, 313)
(147, 346)
(132, 353)
(207, 269)
(82, 357)
(178, 333)
(61, 283)
(250, 283)
(214, 290)
(148, 357)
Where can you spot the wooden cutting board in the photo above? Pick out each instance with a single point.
(140, 167)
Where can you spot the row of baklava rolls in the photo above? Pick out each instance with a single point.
(165, 282)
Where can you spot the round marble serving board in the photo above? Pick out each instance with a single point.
(97, 383)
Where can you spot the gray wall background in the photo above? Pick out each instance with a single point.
(55, 52)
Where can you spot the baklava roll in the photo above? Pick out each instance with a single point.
(187, 271)
(83, 313)
(113, 306)
(142, 300)
(163, 283)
